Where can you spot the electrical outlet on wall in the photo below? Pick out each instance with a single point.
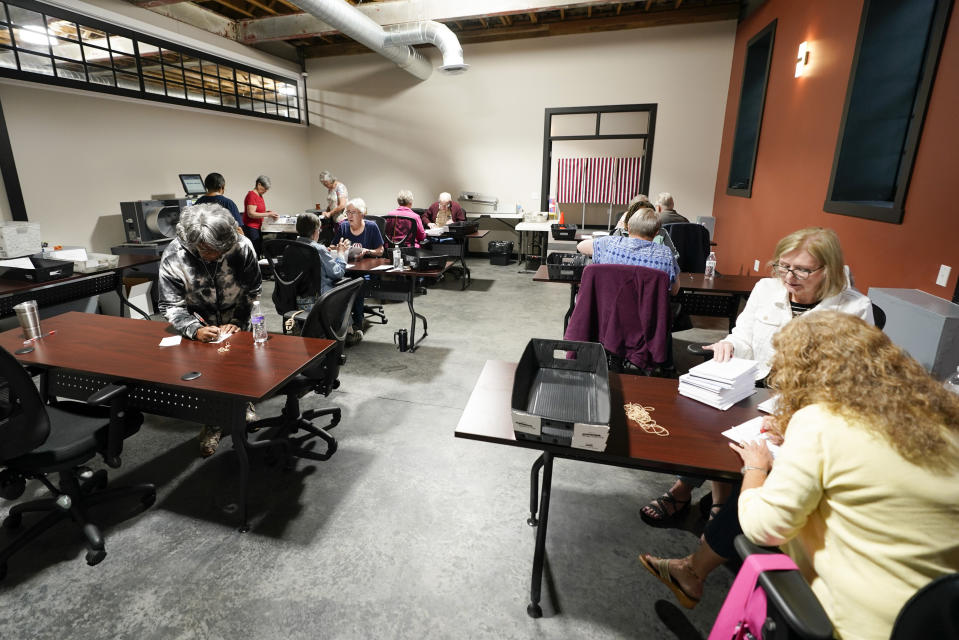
(755, 265)
(943, 276)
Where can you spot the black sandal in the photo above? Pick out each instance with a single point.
(661, 515)
(714, 510)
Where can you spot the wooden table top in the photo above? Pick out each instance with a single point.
(687, 281)
(367, 265)
(128, 349)
(694, 445)
(126, 261)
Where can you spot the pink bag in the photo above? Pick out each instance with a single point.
(745, 607)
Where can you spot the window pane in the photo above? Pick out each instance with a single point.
(5, 36)
(243, 90)
(121, 44)
(295, 113)
(66, 49)
(268, 84)
(153, 86)
(125, 62)
(256, 80)
(101, 75)
(128, 81)
(152, 71)
(71, 70)
(96, 55)
(228, 100)
(89, 35)
(148, 51)
(258, 106)
(193, 78)
(175, 90)
(623, 123)
(170, 57)
(172, 74)
(242, 76)
(208, 67)
(226, 87)
(573, 124)
(62, 28)
(25, 17)
(7, 59)
(246, 104)
(226, 72)
(271, 108)
(194, 93)
(212, 97)
(36, 64)
(32, 39)
(269, 96)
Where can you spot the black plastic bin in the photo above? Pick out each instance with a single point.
(500, 251)
(566, 266)
(564, 231)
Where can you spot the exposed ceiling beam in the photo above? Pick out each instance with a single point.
(302, 25)
(233, 7)
(568, 27)
(149, 4)
(197, 16)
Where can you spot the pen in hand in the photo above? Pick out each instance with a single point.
(216, 330)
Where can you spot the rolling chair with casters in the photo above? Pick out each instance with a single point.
(295, 273)
(375, 313)
(37, 440)
(398, 231)
(330, 319)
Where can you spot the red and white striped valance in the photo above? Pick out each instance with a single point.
(598, 180)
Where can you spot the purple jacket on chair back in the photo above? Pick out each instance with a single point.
(626, 309)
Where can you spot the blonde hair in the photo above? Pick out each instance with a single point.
(823, 245)
(633, 208)
(839, 361)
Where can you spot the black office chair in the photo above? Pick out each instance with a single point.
(399, 231)
(878, 316)
(37, 440)
(692, 242)
(329, 318)
(374, 313)
(794, 612)
(297, 272)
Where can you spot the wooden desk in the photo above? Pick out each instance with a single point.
(699, 295)
(396, 285)
(694, 445)
(76, 287)
(90, 351)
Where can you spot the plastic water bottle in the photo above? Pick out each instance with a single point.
(711, 265)
(258, 322)
(397, 258)
(552, 204)
(952, 382)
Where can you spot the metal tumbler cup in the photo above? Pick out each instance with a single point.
(29, 318)
(401, 339)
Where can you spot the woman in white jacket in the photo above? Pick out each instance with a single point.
(808, 275)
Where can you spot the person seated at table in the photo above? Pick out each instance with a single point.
(254, 210)
(864, 490)
(808, 275)
(636, 249)
(405, 199)
(442, 212)
(215, 185)
(664, 206)
(208, 280)
(640, 201)
(364, 236)
(332, 260)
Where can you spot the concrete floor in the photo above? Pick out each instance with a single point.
(407, 532)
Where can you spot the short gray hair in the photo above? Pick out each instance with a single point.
(307, 223)
(208, 224)
(264, 181)
(326, 176)
(645, 223)
(359, 204)
(404, 198)
(445, 197)
(665, 200)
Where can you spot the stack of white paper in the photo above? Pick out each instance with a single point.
(749, 431)
(720, 384)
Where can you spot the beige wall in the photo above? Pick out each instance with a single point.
(79, 155)
(380, 130)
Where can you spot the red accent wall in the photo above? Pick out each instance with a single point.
(796, 147)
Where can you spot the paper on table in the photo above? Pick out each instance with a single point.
(19, 263)
(769, 405)
(381, 267)
(221, 338)
(749, 431)
(724, 371)
(73, 255)
(170, 341)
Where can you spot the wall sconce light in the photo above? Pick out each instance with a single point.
(802, 59)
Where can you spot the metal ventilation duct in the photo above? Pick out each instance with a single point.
(393, 43)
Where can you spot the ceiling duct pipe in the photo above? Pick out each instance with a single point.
(393, 44)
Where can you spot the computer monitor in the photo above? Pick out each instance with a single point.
(192, 184)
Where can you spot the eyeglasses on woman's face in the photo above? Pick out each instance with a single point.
(800, 273)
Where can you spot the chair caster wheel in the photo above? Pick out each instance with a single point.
(531, 521)
(95, 556)
(534, 611)
(148, 500)
(13, 521)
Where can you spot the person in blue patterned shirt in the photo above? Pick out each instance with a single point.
(636, 249)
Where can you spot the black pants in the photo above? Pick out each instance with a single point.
(723, 529)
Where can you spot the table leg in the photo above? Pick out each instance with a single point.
(533, 490)
(466, 270)
(123, 298)
(238, 430)
(539, 552)
(573, 290)
(413, 317)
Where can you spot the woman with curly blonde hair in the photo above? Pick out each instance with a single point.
(864, 493)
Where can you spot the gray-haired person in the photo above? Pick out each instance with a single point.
(337, 197)
(254, 210)
(209, 270)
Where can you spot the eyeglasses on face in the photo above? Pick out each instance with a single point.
(800, 273)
